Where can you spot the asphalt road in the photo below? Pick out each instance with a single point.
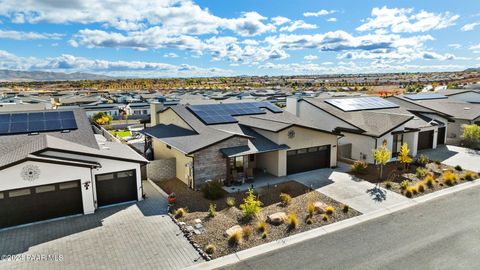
(440, 234)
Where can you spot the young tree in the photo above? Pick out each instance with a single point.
(403, 156)
(381, 155)
(102, 118)
(251, 204)
(471, 135)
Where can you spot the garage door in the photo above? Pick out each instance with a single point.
(307, 159)
(38, 203)
(441, 135)
(116, 187)
(425, 140)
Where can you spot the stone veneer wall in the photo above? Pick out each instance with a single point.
(161, 169)
(210, 164)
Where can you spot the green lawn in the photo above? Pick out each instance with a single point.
(121, 133)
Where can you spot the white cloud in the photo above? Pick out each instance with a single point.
(398, 20)
(455, 45)
(21, 35)
(332, 20)
(475, 48)
(319, 13)
(470, 26)
(310, 57)
(279, 20)
(170, 55)
(298, 25)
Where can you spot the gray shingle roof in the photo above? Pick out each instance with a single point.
(452, 107)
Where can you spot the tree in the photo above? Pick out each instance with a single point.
(381, 155)
(471, 135)
(403, 156)
(251, 205)
(102, 118)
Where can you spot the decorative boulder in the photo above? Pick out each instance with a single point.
(277, 218)
(197, 220)
(233, 230)
(320, 207)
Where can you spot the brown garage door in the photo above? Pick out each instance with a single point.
(116, 187)
(425, 140)
(38, 203)
(307, 159)
(441, 135)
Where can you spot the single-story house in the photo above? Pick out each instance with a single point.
(53, 165)
(368, 122)
(225, 142)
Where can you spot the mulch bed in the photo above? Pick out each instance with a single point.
(394, 174)
(227, 217)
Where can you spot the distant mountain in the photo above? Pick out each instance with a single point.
(19, 76)
(472, 69)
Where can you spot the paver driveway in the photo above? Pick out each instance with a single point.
(133, 236)
(357, 193)
(453, 155)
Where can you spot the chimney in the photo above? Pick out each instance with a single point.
(155, 107)
(292, 105)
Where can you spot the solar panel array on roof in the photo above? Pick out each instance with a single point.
(425, 96)
(361, 103)
(23, 123)
(223, 113)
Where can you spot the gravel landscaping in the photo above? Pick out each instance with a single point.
(214, 228)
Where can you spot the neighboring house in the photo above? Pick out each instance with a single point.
(53, 165)
(223, 141)
(110, 109)
(459, 111)
(467, 95)
(138, 109)
(368, 122)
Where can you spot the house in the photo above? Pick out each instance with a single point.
(108, 108)
(368, 122)
(53, 165)
(459, 111)
(138, 109)
(467, 95)
(226, 142)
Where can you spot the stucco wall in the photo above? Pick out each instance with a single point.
(161, 151)
(161, 169)
(168, 117)
(270, 162)
(361, 145)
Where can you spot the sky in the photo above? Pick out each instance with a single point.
(184, 38)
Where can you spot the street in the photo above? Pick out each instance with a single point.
(440, 234)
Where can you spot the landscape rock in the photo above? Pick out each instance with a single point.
(198, 226)
(197, 221)
(277, 218)
(320, 207)
(189, 228)
(233, 230)
(197, 232)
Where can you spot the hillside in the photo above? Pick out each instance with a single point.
(19, 76)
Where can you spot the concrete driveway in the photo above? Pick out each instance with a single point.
(453, 155)
(357, 193)
(130, 236)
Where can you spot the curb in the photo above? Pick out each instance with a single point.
(300, 237)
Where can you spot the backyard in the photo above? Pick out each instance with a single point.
(121, 133)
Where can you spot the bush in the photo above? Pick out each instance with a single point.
(438, 162)
(230, 201)
(359, 166)
(345, 208)
(210, 249)
(421, 172)
(421, 187)
(404, 184)
(311, 209)
(388, 184)
(236, 238)
(285, 198)
(449, 178)
(324, 217)
(309, 220)
(213, 190)
(264, 235)
(180, 212)
(251, 205)
(410, 191)
(423, 160)
(458, 168)
(429, 180)
(469, 176)
(262, 226)
(212, 210)
(247, 231)
(329, 210)
(292, 220)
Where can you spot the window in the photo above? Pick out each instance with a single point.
(302, 151)
(252, 158)
(397, 143)
(68, 185)
(313, 149)
(105, 177)
(1, 195)
(291, 153)
(125, 174)
(239, 162)
(19, 192)
(45, 189)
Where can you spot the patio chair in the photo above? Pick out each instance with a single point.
(250, 175)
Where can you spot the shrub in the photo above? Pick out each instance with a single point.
(329, 210)
(410, 191)
(359, 166)
(423, 160)
(458, 168)
(251, 205)
(264, 235)
(235, 238)
(230, 201)
(324, 217)
(212, 210)
(404, 184)
(262, 226)
(210, 249)
(429, 180)
(449, 178)
(247, 231)
(470, 176)
(180, 212)
(285, 198)
(213, 190)
(345, 208)
(421, 172)
(421, 187)
(309, 220)
(292, 220)
(311, 209)
(388, 184)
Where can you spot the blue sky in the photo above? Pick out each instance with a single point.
(178, 38)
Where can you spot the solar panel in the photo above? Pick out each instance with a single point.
(425, 96)
(22, 123)
(361, 103)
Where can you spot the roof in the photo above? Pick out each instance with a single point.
(452, 92)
